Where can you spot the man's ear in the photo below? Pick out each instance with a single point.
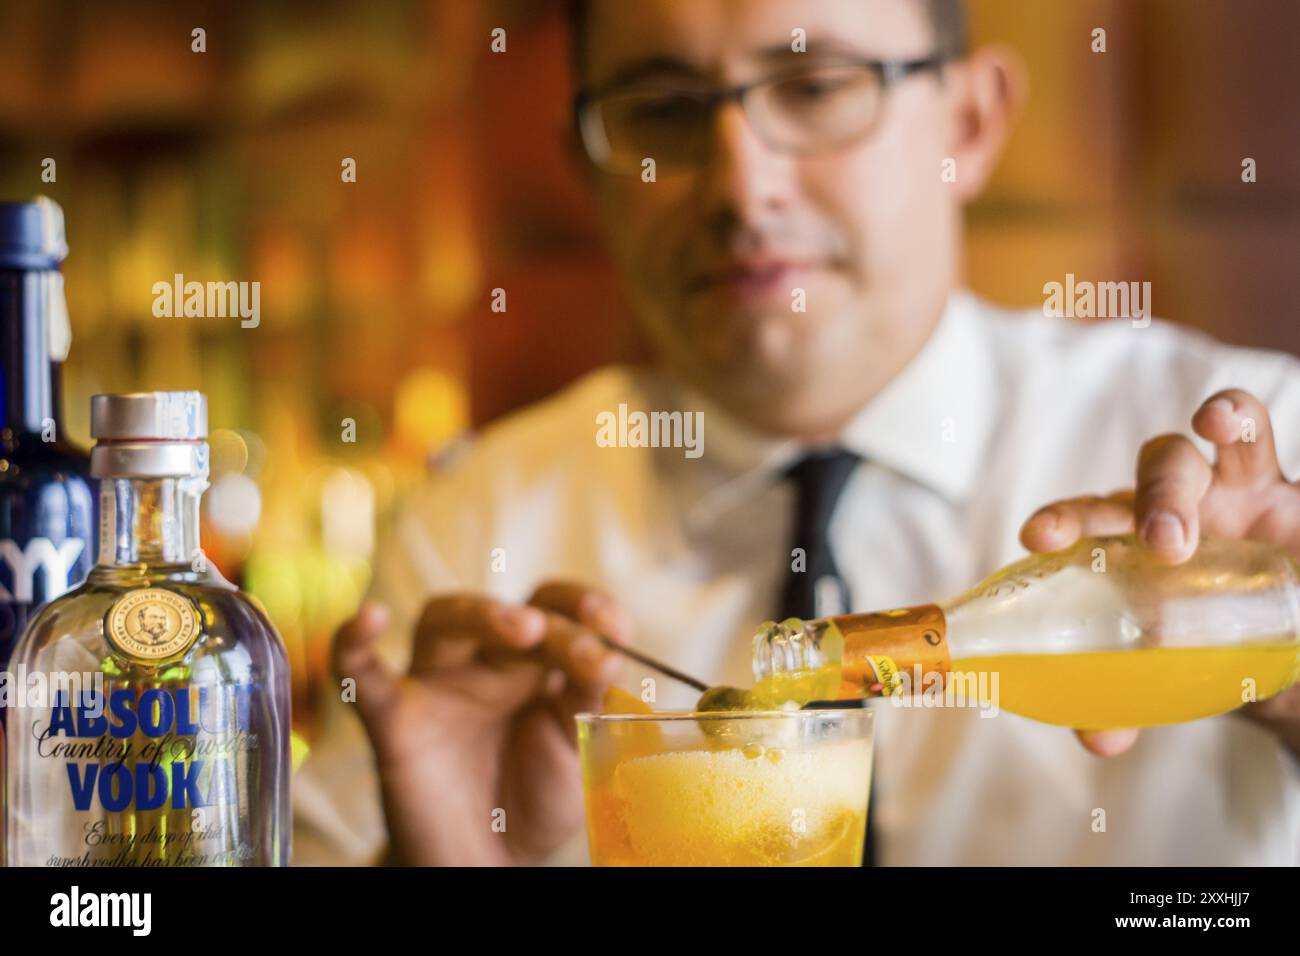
(988, 88)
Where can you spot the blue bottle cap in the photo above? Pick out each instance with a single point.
(31, 235)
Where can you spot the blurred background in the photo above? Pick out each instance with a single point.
(376, 294)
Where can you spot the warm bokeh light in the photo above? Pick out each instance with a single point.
(430, 409)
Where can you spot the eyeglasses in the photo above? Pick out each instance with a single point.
(802, 112)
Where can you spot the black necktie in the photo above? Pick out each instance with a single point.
(818, 479)
(818, 590)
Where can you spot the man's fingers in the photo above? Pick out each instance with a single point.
(356, 658)
(1172, 478)
(1239, 425)
(453, 629)
(578, 652)
(586, 605)
(1108, 743)
(574, 651)
(507, 684)
(459, 630)
(1062, 523)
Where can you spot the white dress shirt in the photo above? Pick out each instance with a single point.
(999, 414)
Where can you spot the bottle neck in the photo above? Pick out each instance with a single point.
(28, 403)
(879, 647)
(860, 655)
(149, 520)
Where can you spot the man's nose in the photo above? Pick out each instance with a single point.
(742, 176)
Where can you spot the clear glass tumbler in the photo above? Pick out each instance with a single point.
(765, 788)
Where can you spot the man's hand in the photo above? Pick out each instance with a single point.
(479, 734)
(1179, 497)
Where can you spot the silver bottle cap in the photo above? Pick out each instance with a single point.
(149, 435)
(152, 416)
(32, 236)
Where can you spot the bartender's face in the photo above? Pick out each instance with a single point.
(715, 252)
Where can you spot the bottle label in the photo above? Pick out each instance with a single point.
(152, 625)
(32, 573)
(883, 649)
(129, 774)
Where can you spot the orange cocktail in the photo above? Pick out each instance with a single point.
(775, 788)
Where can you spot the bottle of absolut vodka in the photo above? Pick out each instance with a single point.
(163, 738)
(46, 506)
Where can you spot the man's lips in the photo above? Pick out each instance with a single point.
(753, 280)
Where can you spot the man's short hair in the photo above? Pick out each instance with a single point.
(947, 17)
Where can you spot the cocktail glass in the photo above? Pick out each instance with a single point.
(763, 788)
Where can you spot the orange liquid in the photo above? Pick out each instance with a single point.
(1142, 688)
(729, 806)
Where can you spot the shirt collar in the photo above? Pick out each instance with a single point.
(930, 424)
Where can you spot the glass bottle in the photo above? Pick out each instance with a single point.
(1099, 635)
(163, 738)
(46, 507)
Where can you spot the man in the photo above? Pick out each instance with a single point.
(930, 424)
(153, 625)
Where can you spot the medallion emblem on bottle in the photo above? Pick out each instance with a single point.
(153, 625)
